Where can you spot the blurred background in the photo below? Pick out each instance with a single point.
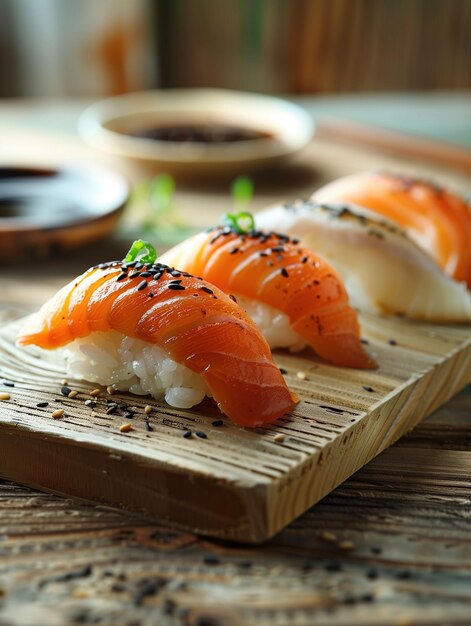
(65, 48)
(374, 66)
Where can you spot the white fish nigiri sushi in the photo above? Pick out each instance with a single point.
(383, 269)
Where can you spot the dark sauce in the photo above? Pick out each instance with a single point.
(201, 133)
(44, 198)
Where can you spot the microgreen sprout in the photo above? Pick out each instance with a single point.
(142, 251)
(242, 222)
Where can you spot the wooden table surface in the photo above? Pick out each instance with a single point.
(392, 545)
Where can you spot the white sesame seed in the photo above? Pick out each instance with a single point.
(329, 536)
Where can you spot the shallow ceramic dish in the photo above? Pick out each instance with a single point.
(43, 210)
(109, 125)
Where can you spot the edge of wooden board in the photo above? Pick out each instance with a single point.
(248, 508)
(411, 402)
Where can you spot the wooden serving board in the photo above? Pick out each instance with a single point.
(236, 484)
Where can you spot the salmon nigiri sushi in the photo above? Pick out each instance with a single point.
(295, 297)
(438, 220)
(145, 327)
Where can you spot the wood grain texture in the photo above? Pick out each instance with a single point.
(405, 514)
(237, 484)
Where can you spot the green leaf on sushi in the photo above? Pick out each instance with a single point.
(142, 251)
(242, 222)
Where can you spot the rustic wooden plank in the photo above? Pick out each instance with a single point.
(421, 526)
(237, 484)
(408, 562)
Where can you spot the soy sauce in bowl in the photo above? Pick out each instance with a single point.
(46, 210)
(201, 133)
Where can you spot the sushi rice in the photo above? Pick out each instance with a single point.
(111, 358)
(274, 325)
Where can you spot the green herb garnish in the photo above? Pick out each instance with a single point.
(242, 192)
(142, 251)
(242, 222)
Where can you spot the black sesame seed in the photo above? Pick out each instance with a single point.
(146, 274)
(142, 285)
(8, 383)
(207, 290)
(176, 287)
(41, 405)
(365, 342)
(134, 275)
(201, 434)
(217, 423)
(333, 566)
(304, 259)
(111, 409)
(176, 281)
(278, 249)
(332, 409)
(368, 388)
(295, 241)
(233, 298)
(150, 294)
(376, 550)
(349, 599)
(187, 434)
(175, 273)
(372, 573)
(211, 559)
(403, 574)
(283, 371)
(148, 426)
(65, 390)
(234, 251)
(158, 275)
(132, 264)
(263, 254)
(392, 342)
(122, 276)
(284, 272)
